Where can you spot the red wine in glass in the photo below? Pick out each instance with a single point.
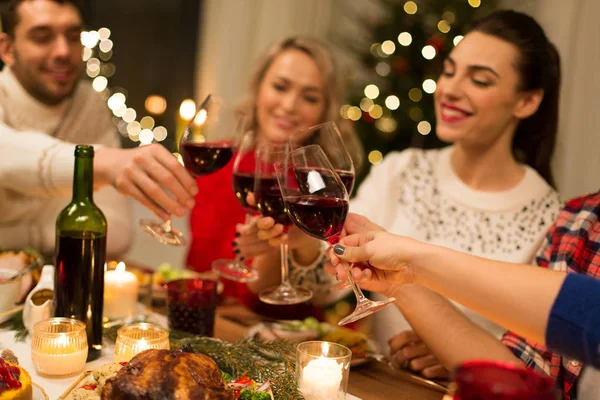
(320, 217)
(205, 158)
(243, 184)
(270, 201)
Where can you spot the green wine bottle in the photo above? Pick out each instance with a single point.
(80, 252)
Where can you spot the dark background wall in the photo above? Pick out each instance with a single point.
(154, 50)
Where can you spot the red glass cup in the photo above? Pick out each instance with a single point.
(191, 305)
(491, 380)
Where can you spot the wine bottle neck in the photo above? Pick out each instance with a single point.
(83, 179)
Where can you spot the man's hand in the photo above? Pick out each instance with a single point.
(149, 174)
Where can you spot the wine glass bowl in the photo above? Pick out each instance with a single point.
(329, 138)
(317, 202)
(269, 200)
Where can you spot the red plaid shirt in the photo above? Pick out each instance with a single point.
(572, 245)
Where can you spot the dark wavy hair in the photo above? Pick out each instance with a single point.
(538, 66)
(10, 17)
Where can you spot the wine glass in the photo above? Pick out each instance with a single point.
(206, 146)
(317, 202)
(329, 138)
(270, 203)
(243, 184)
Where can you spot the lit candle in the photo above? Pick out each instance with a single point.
(135, 338)
(59, 347)
(58, 359)
(120, 293)
(321, 379)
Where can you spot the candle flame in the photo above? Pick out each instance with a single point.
(120, 268)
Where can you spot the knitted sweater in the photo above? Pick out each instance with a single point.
(37, 145)
(416, 193)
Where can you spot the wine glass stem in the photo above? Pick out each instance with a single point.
(360, 297)
(285, 268)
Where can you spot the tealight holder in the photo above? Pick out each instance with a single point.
(59, 347)
(322, 370)
(135, 338)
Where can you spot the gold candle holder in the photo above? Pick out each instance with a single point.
(59, 347)
(135, 338)
(322, 370)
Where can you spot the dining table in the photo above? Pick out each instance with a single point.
(371, 381)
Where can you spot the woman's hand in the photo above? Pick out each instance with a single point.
(248, 242)
(381, 259)
(407, 347)
(149, 174)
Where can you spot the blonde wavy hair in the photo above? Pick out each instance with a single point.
(333, 85)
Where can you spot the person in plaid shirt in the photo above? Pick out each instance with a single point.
(571, 245)
(566, 322)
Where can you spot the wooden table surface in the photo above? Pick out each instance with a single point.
(371, 381)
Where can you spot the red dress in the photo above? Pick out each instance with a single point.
(212, 228)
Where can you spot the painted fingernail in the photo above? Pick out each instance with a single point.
(242, 258)
(234, 243)
(237, 234)
(339, 249)
(336, 276)
(236, 251)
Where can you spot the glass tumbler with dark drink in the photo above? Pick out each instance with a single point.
(496, 380)
(191, 305)
(80, 252)
(317, 202)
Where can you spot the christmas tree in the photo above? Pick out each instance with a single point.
(392, 105)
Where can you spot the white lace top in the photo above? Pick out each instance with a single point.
(416, 193)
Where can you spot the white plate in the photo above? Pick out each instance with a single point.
(38, 392)
(373, 346)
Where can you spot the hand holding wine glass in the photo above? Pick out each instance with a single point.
(317, 202)
(206, 146)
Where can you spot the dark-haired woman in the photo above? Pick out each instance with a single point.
(491, 192)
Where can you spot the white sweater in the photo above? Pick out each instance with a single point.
(37, 145)
(416, 193)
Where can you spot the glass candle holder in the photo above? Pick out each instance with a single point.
(501, 381)
(322, 370)
(59, 347)
(135, 338)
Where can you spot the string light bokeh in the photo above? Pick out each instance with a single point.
(384, 107)
(136, 126)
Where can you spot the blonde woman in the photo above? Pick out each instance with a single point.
(295, 85)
